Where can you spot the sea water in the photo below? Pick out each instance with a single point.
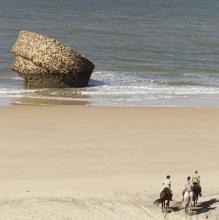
(146, 52)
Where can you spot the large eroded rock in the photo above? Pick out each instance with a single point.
(45, 62)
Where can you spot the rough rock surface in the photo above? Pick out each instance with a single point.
(45, 62)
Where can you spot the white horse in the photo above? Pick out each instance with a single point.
(188, 201)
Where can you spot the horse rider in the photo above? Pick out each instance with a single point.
(188, 186)
(167, 185)
(196, 181)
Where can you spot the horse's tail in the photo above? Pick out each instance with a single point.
(157, 201)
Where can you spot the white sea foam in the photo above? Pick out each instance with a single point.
(135, 90)
(4, 91)
(125, 89)
(12, 78)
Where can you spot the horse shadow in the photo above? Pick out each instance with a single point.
(205, 206)
(176, 207)
(200, 208)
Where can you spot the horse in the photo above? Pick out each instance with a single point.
(188, 198)
(165, 197)
(196, 192)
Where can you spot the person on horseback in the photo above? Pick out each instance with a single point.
(167, 185)
(196, 181)
(188, 185)
(188, 195)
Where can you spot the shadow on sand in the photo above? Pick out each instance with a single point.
(205, 206)
(176, 207)
(200, 208)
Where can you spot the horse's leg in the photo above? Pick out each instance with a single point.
(196, 199)
(190, 209)
(168, 204)
(185, 202)
(190, 203)
(163, 205)
(186, 206)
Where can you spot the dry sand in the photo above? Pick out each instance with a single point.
(71, 162)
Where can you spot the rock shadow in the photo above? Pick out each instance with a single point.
(95, 83)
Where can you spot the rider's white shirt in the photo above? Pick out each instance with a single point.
(167, 183)
(188, 185)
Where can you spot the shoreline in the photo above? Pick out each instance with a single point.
(34, 102)
(184, 102)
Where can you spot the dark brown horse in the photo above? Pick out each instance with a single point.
(196, 192)
(165, 197)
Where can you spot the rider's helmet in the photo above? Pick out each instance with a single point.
(196, 172)
(168, 176)
(189, 177)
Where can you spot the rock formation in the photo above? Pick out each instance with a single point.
(45, 62)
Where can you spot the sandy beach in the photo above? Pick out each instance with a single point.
(77, 162)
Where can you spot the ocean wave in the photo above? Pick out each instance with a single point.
(110, 88)
(11, 78)
(135, 90)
